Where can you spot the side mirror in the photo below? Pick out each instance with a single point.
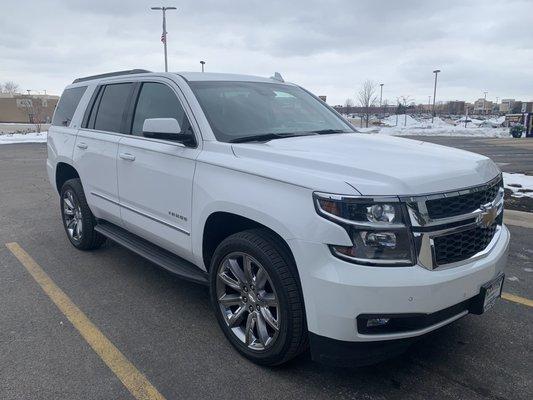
(166, 129)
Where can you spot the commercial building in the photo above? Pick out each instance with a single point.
(27, 108)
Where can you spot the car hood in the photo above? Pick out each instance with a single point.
(372, 164)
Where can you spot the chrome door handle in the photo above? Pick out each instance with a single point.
(82, 145)
(127, 156)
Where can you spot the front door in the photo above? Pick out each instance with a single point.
(155, 176)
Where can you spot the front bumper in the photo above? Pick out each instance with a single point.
(336, 292)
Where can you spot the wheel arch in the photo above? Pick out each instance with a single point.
(221, 224)
(63, 173)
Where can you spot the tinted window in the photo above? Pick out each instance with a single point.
(111, 108)
(157, 100)
(67, 105)
(239, 109)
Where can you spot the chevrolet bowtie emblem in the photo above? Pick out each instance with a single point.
(489, 213)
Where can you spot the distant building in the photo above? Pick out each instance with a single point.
(455, 107)
(27, 108)
(482, 106)
(506, 106)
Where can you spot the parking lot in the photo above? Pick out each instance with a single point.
(136, 331)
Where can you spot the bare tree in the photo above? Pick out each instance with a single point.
(9, 87)
(348, 104)
(367, 98)
(34, 107)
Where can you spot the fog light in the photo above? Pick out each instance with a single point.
(372, 322)
(379, 239)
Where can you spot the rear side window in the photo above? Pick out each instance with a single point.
(67, 105)
(157, 100)
(110, 112)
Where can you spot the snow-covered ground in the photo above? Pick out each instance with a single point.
(32, 137)
(521, 185)
(405, 125)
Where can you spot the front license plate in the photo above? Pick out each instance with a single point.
(492, 291)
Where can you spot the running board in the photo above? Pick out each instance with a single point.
(159, 256)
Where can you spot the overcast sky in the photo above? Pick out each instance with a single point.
(329, 47)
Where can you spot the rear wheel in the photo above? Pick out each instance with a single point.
(257, 299)
(78, 220)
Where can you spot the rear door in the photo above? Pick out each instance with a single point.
(95, 152)
(155, 176)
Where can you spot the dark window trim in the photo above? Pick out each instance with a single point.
(90, 106)
(132, 106)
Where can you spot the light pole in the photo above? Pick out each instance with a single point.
(484, 103)
(434, 93)
(380, 96)
(203, 63)
(164, 34)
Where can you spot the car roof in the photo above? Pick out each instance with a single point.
(215, 76)
(188, 76)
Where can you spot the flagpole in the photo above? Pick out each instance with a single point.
(164, 35)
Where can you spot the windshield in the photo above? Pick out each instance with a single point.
(243, 110)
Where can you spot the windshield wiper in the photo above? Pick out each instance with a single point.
(267, 136)
(329, 131)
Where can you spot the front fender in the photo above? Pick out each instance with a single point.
(284, 208)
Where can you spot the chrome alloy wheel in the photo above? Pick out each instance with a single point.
(248, 301)
(72, 216)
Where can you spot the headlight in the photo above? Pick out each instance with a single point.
(377, 226)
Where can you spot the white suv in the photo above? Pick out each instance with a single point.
(307, 233)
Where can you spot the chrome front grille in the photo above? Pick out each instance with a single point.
(461, 204)
(462, 245)
(456, 227)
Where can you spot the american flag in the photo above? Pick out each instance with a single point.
(164, 37)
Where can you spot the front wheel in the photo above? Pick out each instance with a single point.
(256, 297)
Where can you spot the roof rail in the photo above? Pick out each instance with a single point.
(109, 74)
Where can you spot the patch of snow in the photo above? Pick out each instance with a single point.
(521, 185)
(403, 120)
(31, 137)
(448, 130)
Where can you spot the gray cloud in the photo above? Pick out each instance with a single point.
(330, 47)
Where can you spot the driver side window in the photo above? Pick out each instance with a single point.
(157, 100)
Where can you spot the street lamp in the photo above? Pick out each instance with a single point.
(381, 97)
(434, 93)
(203, 63)
(164, 34)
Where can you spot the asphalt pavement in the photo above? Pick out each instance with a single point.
(166, 330)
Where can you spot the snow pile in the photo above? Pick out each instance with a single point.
(437, 123)
(448, 130)
(470, 121)
(31, 137)
(521, 185)
(497, 121)
(401, 121)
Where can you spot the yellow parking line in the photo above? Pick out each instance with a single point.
(130, 376)
(517, 299)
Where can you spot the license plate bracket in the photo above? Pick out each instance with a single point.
(488, 295)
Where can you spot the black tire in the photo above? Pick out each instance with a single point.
(292, 338)
(89, 239)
